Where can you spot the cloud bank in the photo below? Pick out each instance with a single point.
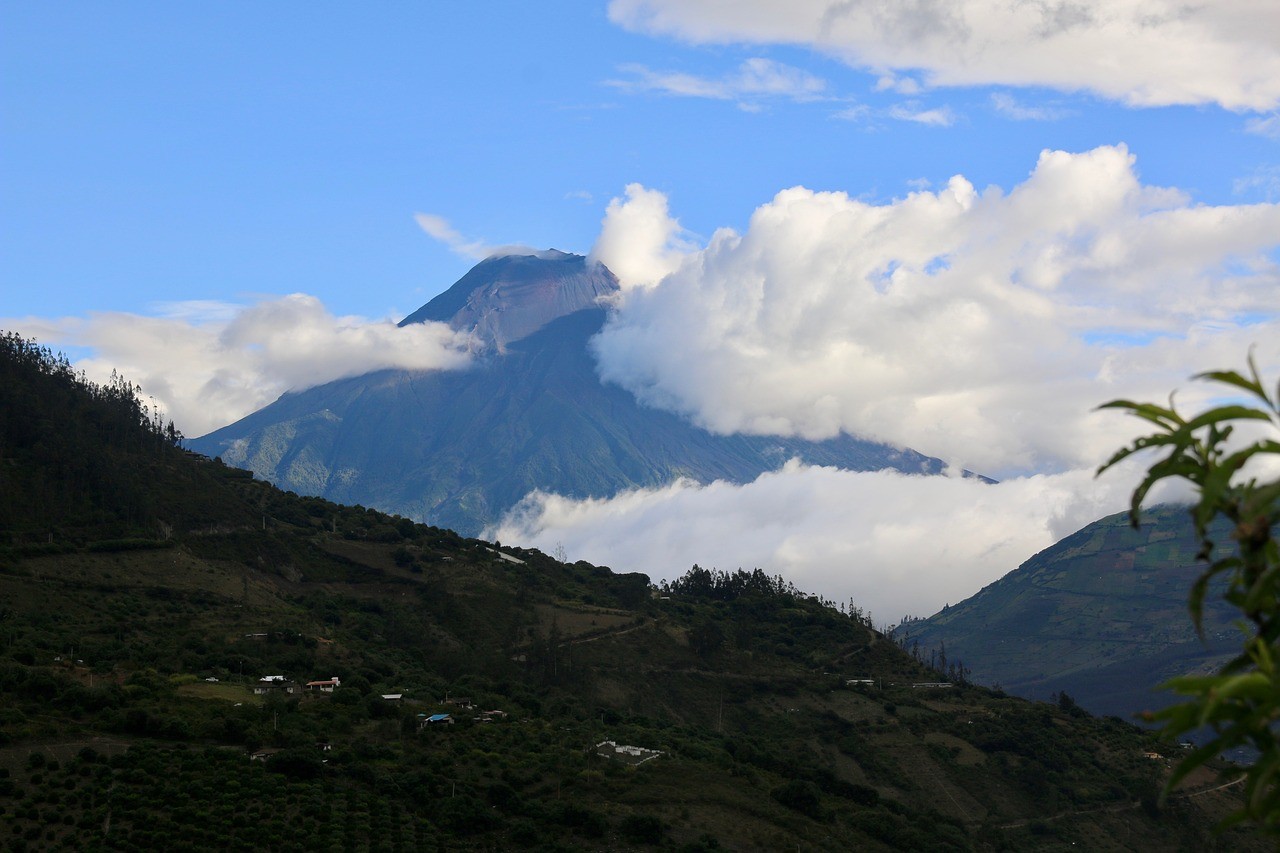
(1140, 52)
(209, 364)
(896, 544)
(979, 326)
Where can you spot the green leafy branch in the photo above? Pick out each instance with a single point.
(1240, 704)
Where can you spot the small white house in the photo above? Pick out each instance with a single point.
(627, 754)
(274, 684)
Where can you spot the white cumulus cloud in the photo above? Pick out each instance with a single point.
(640, 242)
(208, 364)
(979, 326)
(1139, 52)
(983, 326)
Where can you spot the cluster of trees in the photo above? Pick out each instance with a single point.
(719, 585)
(74, 451)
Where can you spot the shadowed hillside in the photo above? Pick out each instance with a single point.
(237, 667)
(1101, 615)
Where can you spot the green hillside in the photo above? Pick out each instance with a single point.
(134, 640)
(1101, 615)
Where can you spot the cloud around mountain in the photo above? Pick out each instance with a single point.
(977, 324)
(981, 326)
(896, 544)
(209, 364)
(1139, 52)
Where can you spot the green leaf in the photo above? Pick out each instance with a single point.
(1226, 413)
(1241, 703)
(1231, 377)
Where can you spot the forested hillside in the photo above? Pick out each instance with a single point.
(192, 658)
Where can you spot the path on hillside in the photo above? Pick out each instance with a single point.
(590, 637)
(1188, 796)
(608, 632)
(930, 771)
(1119, 807)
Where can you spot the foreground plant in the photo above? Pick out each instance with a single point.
(1241, 703)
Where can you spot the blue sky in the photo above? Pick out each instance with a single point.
(158, 152)
(227, 201)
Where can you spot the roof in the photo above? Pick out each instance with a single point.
(437, 718)
(390, 697)
(634, 755)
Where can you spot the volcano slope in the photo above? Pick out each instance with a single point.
(459, 448)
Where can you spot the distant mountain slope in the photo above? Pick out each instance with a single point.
(1101, 615)
(458, 448)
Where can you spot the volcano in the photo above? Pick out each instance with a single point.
(458, 448)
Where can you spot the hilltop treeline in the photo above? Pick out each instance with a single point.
(719, 585)
(72, 451)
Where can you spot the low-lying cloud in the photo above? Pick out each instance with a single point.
(896, 544)
(1139, 52)
(209, 364)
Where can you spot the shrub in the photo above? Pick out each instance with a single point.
(799, 795)
(1239, 704)
(642, 829)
